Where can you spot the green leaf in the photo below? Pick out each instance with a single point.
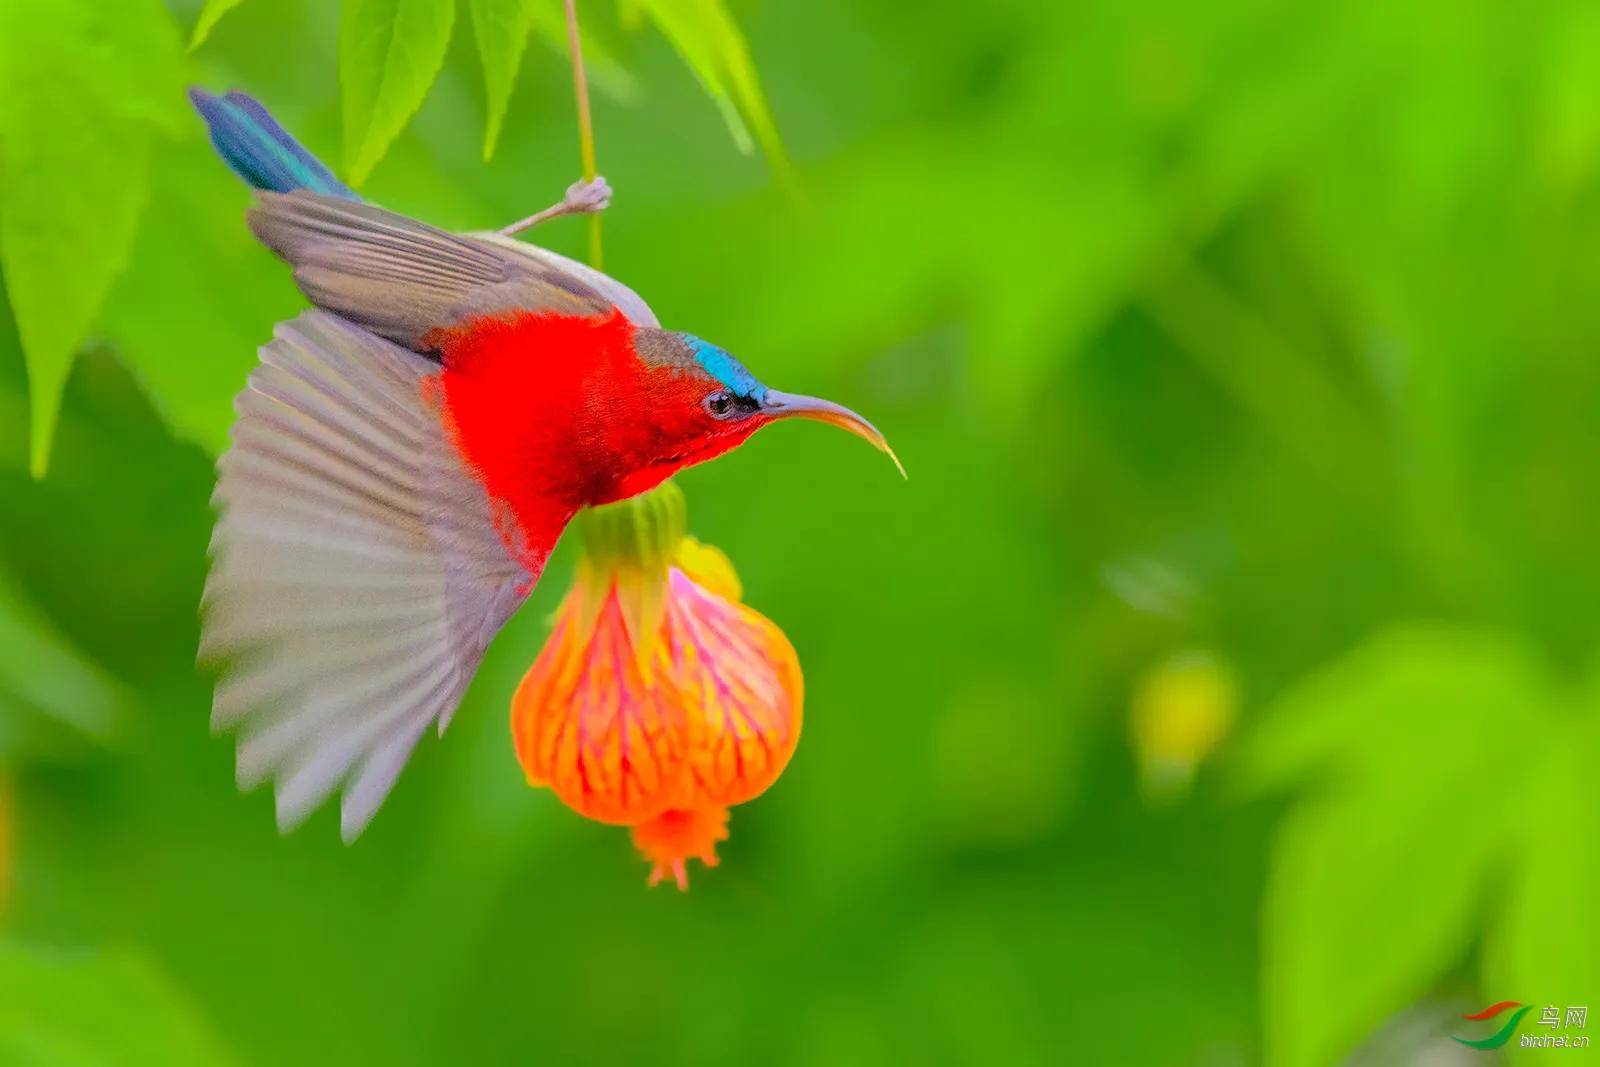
(94, 1009)
(210, 15)
(600, 60)
(708, 39)
(1376, 879)
(83, 86)
(501, 27)
(390, 51)
(75, 186)
(1544, 947)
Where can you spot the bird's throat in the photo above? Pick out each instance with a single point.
(553, 413)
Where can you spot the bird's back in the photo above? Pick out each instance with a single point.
(404, 279)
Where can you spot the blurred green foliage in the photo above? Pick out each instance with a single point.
(1257, 328)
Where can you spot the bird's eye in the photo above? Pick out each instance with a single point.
(719, 405)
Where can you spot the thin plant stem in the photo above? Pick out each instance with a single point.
(580, 85)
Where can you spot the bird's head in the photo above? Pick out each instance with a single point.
(705, 402)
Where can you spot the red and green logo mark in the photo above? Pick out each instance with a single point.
(1502, 1035)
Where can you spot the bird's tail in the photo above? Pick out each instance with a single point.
(259, 150)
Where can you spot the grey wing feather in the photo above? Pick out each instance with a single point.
(357, 576)
(613, 291)
(401, 278)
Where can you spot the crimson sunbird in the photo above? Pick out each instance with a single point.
(408, 452)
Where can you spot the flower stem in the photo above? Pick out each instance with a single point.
(580, 85)
(642, 531)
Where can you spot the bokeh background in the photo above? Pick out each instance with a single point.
(1219, 690)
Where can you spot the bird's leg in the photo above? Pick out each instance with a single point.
(582, 198)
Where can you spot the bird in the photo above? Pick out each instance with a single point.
(408, 451)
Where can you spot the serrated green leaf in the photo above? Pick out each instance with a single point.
(210, 15)
(501, 27)
(390, 52)
(708, 39)
(100, 1008)
(600, 59)
(1409, 735)
(66, 224)
(83, 87)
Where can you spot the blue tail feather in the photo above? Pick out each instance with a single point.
(259, 150)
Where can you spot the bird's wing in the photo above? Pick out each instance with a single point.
(403, 279)
(357, 573)
(611, 290)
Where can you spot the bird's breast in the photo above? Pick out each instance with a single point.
(551, 412)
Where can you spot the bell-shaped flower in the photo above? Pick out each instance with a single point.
(660, 700)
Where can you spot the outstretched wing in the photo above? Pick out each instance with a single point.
(403, 279)
(357, 574)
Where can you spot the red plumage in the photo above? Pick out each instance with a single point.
(558, 412)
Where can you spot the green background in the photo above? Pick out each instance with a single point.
(1263, 329)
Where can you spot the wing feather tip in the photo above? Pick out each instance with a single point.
(290, 816)
(328, 361)
(351, 829)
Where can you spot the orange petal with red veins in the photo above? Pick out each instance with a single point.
(673, 838)
(586, 722)
(739, 682)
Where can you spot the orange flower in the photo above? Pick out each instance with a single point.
(660, 700)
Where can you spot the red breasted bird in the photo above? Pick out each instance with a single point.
(407, 454)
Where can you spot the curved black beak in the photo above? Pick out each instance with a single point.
(792, 405)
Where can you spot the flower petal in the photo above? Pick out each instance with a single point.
(674, 837)
(710, 568)
(739, 682)
(592, 724)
